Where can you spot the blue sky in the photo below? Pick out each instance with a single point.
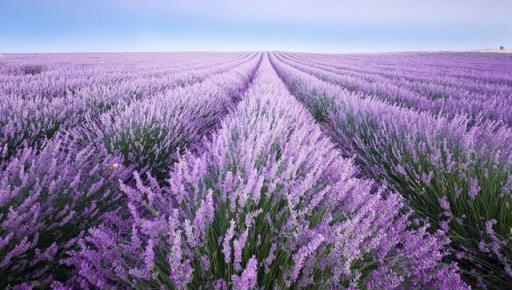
(319, 25)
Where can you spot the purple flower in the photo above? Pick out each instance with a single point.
(474, 188)
(248, 279)
(489, 227)
(238, 248)
(265, 181)
(226, 250)
(443, 202)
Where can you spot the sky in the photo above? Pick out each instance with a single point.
(238, 25)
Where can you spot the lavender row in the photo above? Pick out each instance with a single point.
(412, 95)
(151, 132)
(486, 140)
(434, 82)
(46, 79)
(26, 122)
(458, 176)
(50, 199)
(267, 203)
(444, 68)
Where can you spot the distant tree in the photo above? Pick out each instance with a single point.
(502, 48)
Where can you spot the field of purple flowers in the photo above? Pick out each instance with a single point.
(256, 171)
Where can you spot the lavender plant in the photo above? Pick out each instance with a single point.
(242, 189)
(448, 96)
(456, 175)
(48, 201)
(32, 111)
(30, 122)
(151, 132)
(267, 203)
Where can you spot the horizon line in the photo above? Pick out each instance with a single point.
(497, 50)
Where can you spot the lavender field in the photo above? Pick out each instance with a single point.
(256, 171)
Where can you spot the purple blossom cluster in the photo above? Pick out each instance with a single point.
(454, 171)
(255, 171)
(268, 202)
(35, 107)
(56, 187)
(436, 83)
(48, 201)
(152, 131)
